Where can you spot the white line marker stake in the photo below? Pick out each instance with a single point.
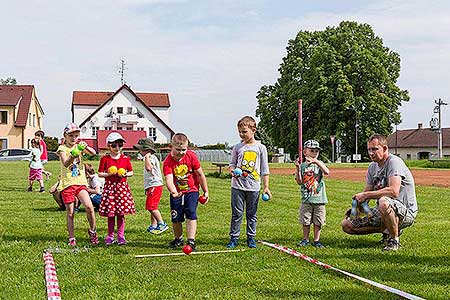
(321, 264)
(51, 281)
(192, 253)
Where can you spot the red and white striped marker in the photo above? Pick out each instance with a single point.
(321, 264)
(51, 281)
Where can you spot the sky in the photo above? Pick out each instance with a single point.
(211, 57)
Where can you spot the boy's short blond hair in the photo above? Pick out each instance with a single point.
(247, 121)
(179, 139)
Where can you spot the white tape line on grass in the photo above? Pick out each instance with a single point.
(318, 263)
(51, 280)
(180, 254)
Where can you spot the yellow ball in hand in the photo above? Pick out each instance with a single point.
(122, 172)
(112, 170)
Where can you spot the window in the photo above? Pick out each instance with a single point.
(130, 127)
(119, 128)
(129, 110)
(94, 131)
(408, 156)
(108, 128)
(152, 133)
(3, 117)
(120, 110)
(34, 120)
(29, 119)
(3, 143)
(140, 128)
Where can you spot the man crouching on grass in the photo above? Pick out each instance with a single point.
(390, 182)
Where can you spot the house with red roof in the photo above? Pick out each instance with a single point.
(134, 115)
(21, 115)
(419, 143)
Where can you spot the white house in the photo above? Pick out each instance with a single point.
(124, 111)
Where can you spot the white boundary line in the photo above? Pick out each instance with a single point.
(181, 254)
(321, 264)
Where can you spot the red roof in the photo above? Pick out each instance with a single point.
(10, 96)
(131, 137)
(98, 98)
(418, 138)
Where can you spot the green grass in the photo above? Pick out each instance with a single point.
(30, 223)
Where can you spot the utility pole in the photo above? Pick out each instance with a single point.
(436, 124)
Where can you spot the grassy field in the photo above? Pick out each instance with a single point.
(30, 223)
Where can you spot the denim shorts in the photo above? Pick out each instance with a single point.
(184, 206)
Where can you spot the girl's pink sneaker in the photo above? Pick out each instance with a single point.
(109, 240)
(72, 242)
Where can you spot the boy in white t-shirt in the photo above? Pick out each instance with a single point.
(153, 185)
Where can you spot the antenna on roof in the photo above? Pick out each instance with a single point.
(122, 72)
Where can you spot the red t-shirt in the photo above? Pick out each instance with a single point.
(44, 155)
(184, 177)
(122, 162)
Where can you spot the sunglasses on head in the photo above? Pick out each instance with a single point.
(115, 144)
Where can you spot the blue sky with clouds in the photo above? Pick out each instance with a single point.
(210, 56)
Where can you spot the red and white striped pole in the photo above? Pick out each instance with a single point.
(300, 130)
(321, 264)
(51, 280)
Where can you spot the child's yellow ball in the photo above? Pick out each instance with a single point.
(112, 170)
(122, 172)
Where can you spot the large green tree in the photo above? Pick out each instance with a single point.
(346, 78)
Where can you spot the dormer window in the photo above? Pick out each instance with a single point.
(129, 110)
(120, 110)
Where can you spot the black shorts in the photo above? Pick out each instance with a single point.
(184, 206)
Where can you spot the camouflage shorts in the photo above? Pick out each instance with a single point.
(406, 218)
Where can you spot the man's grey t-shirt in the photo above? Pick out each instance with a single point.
(378, 177)
(253, 161)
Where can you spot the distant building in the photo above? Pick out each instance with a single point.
(134, 115)
(21, 115)
(419, 143)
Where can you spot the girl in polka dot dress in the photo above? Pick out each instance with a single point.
(117, 200)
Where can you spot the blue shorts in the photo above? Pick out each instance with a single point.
(184, 206)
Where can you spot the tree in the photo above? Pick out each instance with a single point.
(52, 143)
(346, 78)
(8, 81)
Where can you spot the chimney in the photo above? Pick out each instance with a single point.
(419, 126)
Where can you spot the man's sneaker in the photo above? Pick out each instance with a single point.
(109, 240)
(391, 245)
(161, 227)
(30, 189)
(93, 237)
(41, 190)
(318, 244)
(385, 237)
(303, 243)
(72, 242)
(234, 241)
(191, 243)
(176, 243)
(251, 243)
(121, 241)
(151, 229)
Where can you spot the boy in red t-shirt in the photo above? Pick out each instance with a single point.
(184, 175)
